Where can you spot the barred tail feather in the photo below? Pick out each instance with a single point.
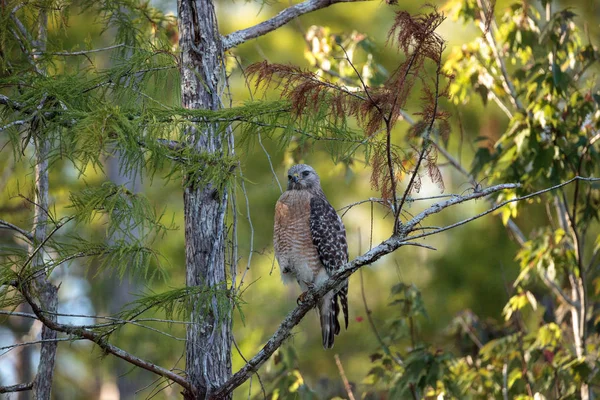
(328, 310)
(343, 296)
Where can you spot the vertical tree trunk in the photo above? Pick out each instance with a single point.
(208, 347)
(47, 293)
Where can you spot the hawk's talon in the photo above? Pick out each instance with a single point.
(301, 298)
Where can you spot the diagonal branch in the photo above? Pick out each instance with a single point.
(312, 296)
(507, 84)
(238, 37)
(511, 225)
(388, 246)
(436, 208)
(13, 105)
(23, 232)
(102, 343)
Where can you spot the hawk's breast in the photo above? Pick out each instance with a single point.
(294, 249)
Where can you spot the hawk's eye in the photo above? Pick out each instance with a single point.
(289, 177)
(306, 173)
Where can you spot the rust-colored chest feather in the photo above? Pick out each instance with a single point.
(294, 249)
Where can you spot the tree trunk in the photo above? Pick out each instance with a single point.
(208, 347)
(46, 292)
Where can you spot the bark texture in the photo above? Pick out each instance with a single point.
(208, 347)
(47, 293)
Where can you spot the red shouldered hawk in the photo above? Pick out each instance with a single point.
(310, 244)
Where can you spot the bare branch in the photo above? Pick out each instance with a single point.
(22, 232)
(557, 290)
(82, 52)
(368, 312)
(103, 344)
(236, 38)
(521, 239)
(14, 123)
(312, 296)
(489, 36)
(21, 387)
(54, 340)
(344, 379)
(6, 101)
(439, 206)
(388, 246)
(270, 162)
(251, 226)
(347, 208)
(424, 148)
(17, 313)
(36, 251)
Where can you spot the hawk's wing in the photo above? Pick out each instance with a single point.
(329, 237)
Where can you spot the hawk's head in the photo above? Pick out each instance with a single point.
(303, 177)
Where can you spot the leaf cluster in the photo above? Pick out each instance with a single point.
(375, 109)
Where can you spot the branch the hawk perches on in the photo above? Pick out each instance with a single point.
(310, 244)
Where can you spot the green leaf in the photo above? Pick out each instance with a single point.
(514, 375)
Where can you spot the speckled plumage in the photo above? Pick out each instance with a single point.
(310, 244)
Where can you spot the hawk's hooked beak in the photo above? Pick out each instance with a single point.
(295, 178)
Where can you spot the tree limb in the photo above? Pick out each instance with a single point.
(238, 37)
(21, 387)
(23, 232)
(511, 225)
(4, 100)
(102, 343)
(388, 246)
(312, 296)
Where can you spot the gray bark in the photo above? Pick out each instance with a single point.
(208, 347)
(46, 291)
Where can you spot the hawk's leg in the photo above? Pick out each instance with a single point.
(302, 296)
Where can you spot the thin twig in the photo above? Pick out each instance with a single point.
(14, 123)
(249, 218)
(511, 225)
(383, 345)
(494, 208)
(489, 36)
(82, 52)
(426, 143)
(15, 345)
(43, 242)
(557, 290)
(262, 387)
(270, 162)
(344, 379)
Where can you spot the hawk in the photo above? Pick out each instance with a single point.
(310, 244)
